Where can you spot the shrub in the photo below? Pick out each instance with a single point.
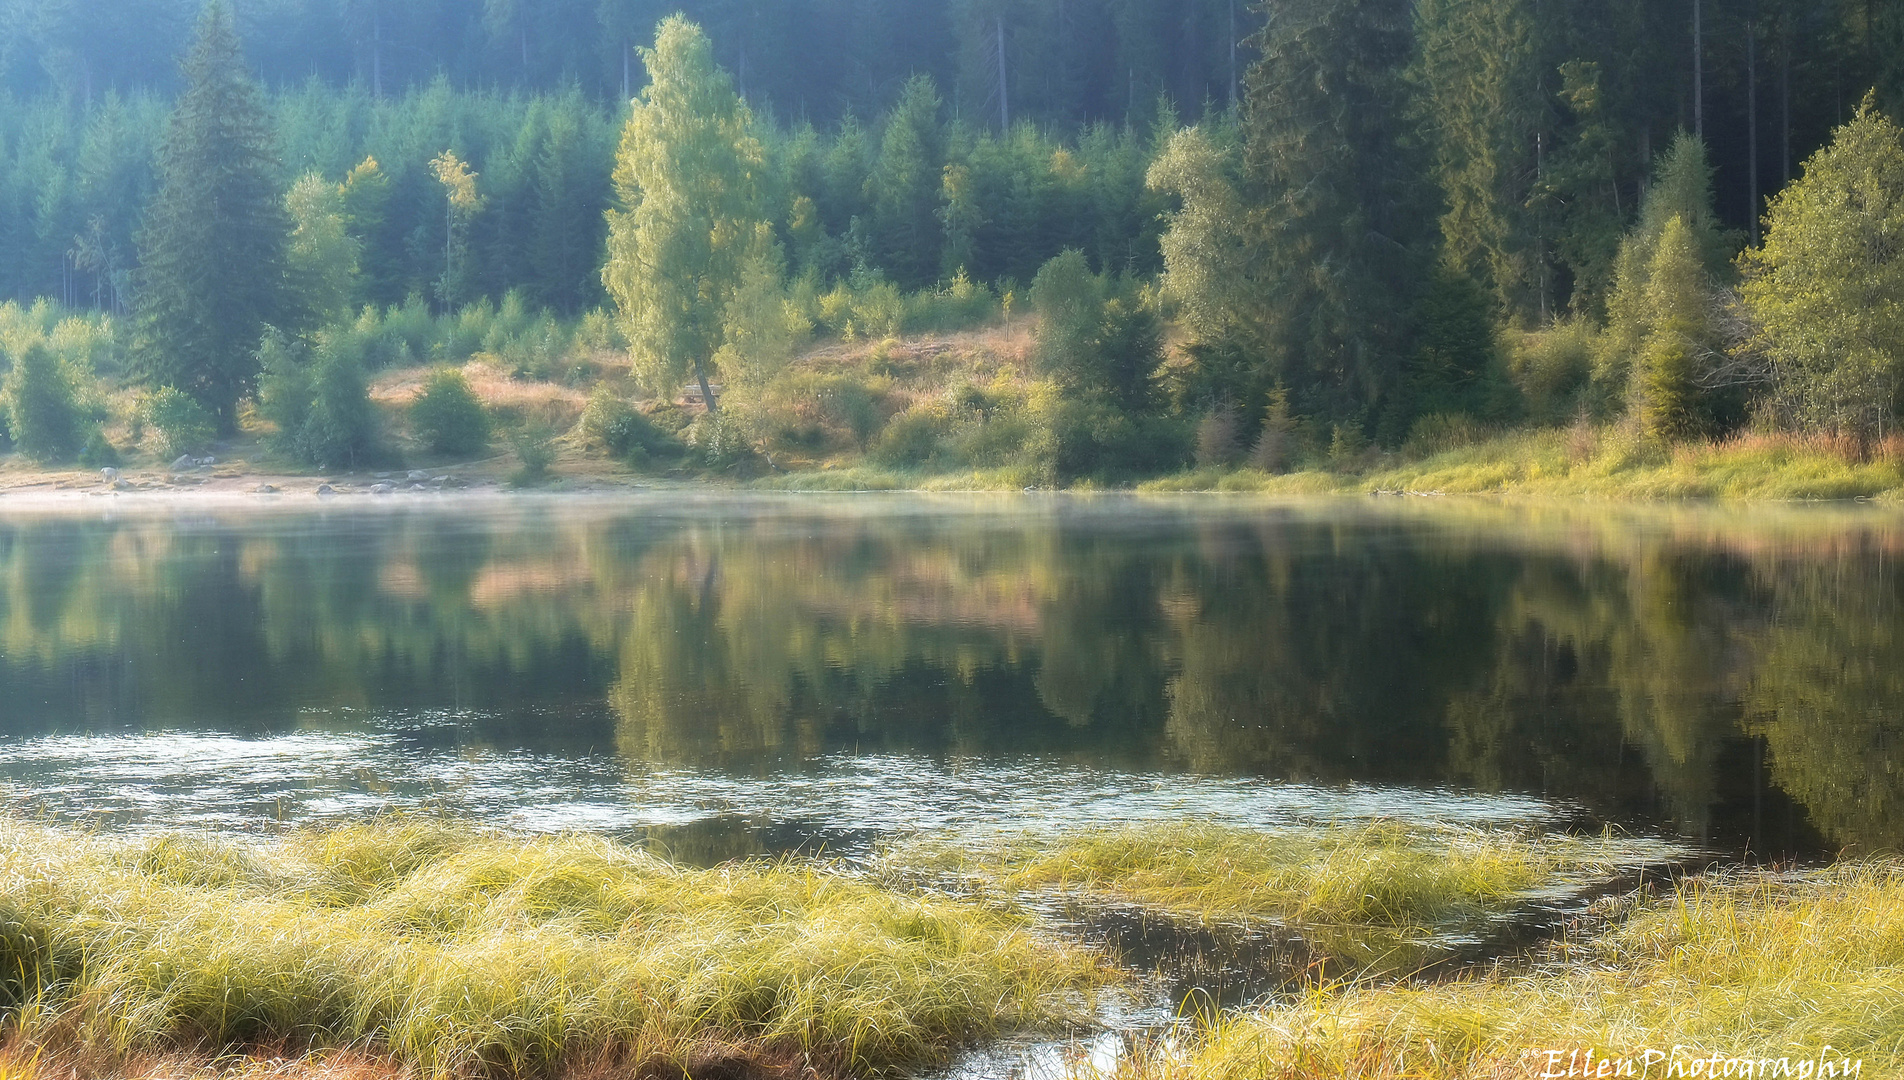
(44, 417)
(447, 417)
(1275, 444)
(180, 425)
(1553, 368)
(319, 401)
(1217, 438)
(613, 424)
(1089, 437)
(535, 449)
(914, 438)
(721, 438)
(1348, 448)
(98, 451)
(284, 388)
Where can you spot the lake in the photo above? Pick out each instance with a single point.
(726, 675)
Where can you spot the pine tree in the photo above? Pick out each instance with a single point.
(687, 180)
(211, 271)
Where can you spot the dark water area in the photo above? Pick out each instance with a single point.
(725, 675)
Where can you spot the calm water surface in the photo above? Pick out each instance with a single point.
(734, 674)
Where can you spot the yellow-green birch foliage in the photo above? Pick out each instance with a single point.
(1827, 289)
(687, 182)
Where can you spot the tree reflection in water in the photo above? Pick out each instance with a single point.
(1726, 674)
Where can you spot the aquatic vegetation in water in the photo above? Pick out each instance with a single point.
(1374, 895)
(458, 952)
(1720, 975)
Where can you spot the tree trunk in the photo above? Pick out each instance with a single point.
(1752, 122)
(1233, 83)
(1004, 105)
(376, 51)
(707, 392)
(1785, 100)
(1698, 74)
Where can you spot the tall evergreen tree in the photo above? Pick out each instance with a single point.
(1338, 198)
(905, 185)
(1477, 67)
(211, 273)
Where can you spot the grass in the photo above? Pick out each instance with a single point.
(1371, 894)
(1761, 966)
(459, 953)
(1600, 463)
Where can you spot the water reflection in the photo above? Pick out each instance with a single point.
(1731, 676)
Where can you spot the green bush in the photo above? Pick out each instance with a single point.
(180, 425)
(340, 430)
(99, 451)
(447, 417)
(1553, 368)
(721, 438)
(318, 399)
(44, 416)
(284, 388)
(535, 449)
(610, 422)
(1089, 437)
(915, 438)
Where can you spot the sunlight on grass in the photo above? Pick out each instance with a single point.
(1755, 966)
(460, 951)
(1597, 463)
(1367, 894)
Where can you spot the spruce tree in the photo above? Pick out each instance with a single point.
(905, 187)
(1479, 69)
(211, 273)
(1337, 211)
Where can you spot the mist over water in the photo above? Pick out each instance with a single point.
(727, 675)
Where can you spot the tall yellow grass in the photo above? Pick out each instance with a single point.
(1372, 895)
(1761, 967)
(461, 952)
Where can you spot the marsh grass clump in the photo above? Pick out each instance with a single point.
(1361, 892)
(463, 953)
(1754, 965)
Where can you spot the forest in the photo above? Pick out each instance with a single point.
(1141, 236)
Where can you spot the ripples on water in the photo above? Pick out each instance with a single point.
(173, 779)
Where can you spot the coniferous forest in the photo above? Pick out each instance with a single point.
(1236, 235)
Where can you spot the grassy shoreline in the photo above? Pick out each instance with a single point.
(414, 948)
(1607, 463)
(1744, 970)
(460, 953)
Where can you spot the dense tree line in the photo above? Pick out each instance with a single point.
(1045, 60)
(1377, 192)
